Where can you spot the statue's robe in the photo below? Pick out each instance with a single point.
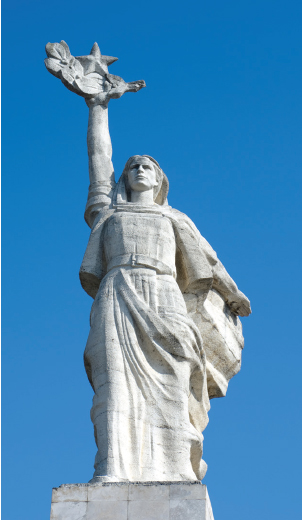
(154, 367)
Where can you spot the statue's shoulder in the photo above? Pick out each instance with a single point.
(187, 229)
(101, 217)
(181, 219)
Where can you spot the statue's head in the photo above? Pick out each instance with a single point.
(143, 173)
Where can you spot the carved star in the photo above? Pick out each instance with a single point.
(95, 61)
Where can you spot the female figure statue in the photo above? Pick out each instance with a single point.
(165, 336)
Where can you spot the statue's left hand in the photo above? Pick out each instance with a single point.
(87, 76)
(239, 304)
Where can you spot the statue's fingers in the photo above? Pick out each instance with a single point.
(134, 86)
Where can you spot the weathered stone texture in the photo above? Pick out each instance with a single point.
(165, 334)
(131, 501)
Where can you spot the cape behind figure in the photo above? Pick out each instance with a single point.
(220, 329)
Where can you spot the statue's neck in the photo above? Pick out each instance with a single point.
(144, 198)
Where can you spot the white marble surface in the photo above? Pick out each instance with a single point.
(165, 334)
(131, 501)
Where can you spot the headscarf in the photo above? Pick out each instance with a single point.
(160, 191)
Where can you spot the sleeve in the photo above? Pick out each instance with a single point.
(194, 256)
(204, 283)
(93, 267)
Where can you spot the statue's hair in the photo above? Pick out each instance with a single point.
(158, 171)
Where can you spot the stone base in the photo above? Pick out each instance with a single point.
(131, 501)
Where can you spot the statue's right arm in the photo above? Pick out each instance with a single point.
(88, 77)
(101, 172)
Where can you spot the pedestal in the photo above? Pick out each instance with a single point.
(131, 501)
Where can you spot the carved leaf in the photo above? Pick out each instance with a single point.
(67, 75)
(88, 86)
(100, 80)
(57, 51)
(78, 69)
(53, 66)
(67, 51)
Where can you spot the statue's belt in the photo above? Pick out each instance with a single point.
(137, 260)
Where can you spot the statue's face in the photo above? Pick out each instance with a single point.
(142, 175)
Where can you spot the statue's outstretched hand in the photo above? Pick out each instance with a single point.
(239, 304)
(87, 76)
(113, 90)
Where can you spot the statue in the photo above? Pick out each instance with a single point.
(165, 334)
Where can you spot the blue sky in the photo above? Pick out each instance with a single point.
(222, 114)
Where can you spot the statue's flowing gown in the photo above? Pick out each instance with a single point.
(144, 356)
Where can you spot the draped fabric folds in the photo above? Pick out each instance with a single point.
(148, 372)
(159, 344)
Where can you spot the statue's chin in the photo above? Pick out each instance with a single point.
(141, 186)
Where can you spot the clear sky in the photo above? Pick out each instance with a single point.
(222, 114)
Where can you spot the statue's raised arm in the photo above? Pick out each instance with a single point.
(88, 77)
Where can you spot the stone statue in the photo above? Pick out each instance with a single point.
(165, 335)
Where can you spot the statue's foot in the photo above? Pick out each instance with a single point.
(202, 469)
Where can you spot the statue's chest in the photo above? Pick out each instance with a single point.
(148, 234)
